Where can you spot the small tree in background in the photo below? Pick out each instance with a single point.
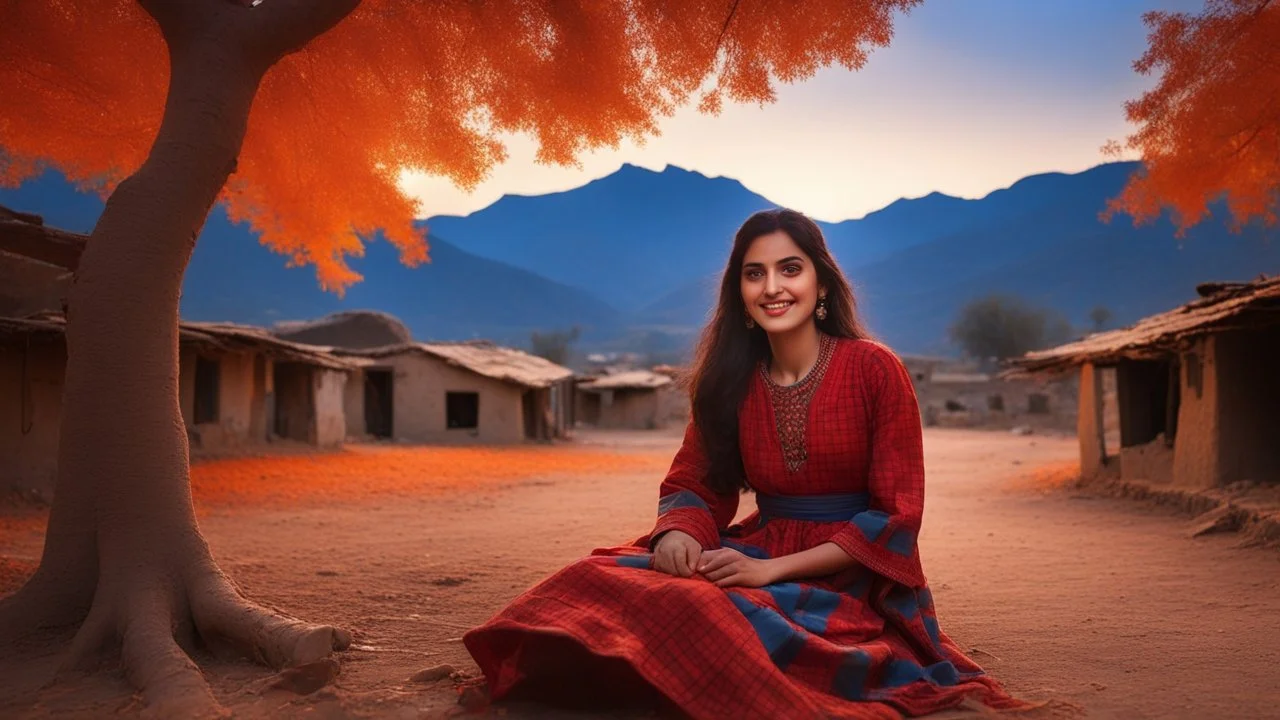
(554, 346)
(999, 327)
(1100, 316)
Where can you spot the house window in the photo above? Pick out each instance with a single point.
(1038, 404)
(995, 403)
(206, 401)
(462, 410)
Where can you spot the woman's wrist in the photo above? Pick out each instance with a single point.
(777, 569)
(819, 561)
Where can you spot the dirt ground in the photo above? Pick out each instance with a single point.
(1107, 605)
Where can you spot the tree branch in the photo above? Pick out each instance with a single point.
(725, 27)
(180, 19)
(281, 27)
(26, 235)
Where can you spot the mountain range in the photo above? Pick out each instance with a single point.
(633, 259)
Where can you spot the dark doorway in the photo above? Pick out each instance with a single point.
(1038, 404)
(207, 390)
(1148, 397)
(378, 403)
(532, 419)
(294, 400)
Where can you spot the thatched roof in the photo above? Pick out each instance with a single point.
(672, 371)
(26, 235)
(354, 329)
(229, 336)
(42, 325)
(480, 357)
(629, 380)
(213, 336)
(1224, 306)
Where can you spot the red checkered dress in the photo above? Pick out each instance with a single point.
(863, 643)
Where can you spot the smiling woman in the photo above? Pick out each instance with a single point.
(816, 605)
(771, 288)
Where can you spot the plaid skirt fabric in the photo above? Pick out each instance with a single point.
(862, 643)
(855, 645)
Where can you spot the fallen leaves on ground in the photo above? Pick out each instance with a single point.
(13, 573)
(349, 475)
(1048, 477)
(362, 472)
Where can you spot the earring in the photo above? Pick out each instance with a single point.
(821, 311)
(750, 323)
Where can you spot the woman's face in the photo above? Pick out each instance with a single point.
(779, 283)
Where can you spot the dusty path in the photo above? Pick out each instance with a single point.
(1102, 603)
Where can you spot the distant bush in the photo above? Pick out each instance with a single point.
(999, 327)
(555, 345)
(1100, 316)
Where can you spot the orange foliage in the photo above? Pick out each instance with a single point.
(1212, 124)
(364, 472)
(403, 84)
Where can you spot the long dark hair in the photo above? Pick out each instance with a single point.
(729, 352)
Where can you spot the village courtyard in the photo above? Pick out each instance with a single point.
(1107, 608)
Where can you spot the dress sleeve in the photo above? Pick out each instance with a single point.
(685, 501)
(883, 538)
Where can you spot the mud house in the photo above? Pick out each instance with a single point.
(1197, 390)
(960, 398)
(954, 394)
(635, 399)
(239, 387)
(921, 367)
(462, 392)
(36, 264)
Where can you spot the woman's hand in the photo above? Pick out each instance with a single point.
(729, 568)
(677, 553)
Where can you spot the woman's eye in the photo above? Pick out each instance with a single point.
(754, 274)
(791, 269)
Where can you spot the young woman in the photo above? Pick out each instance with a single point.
(815, 605)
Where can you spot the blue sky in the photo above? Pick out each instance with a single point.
(971, 96)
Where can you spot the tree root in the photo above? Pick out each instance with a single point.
(171, 683)
(44, 603)
(97, 631)
(159, 622)
(224, 617)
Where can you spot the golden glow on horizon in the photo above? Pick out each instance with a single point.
(933, 112)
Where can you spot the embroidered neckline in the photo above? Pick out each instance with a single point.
(791, 404)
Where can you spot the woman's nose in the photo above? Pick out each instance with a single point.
(771, 285)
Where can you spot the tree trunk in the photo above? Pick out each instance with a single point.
(123, 551)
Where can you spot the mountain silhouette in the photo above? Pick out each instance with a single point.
(634, 258)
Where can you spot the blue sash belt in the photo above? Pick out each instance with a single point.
(835, 507)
